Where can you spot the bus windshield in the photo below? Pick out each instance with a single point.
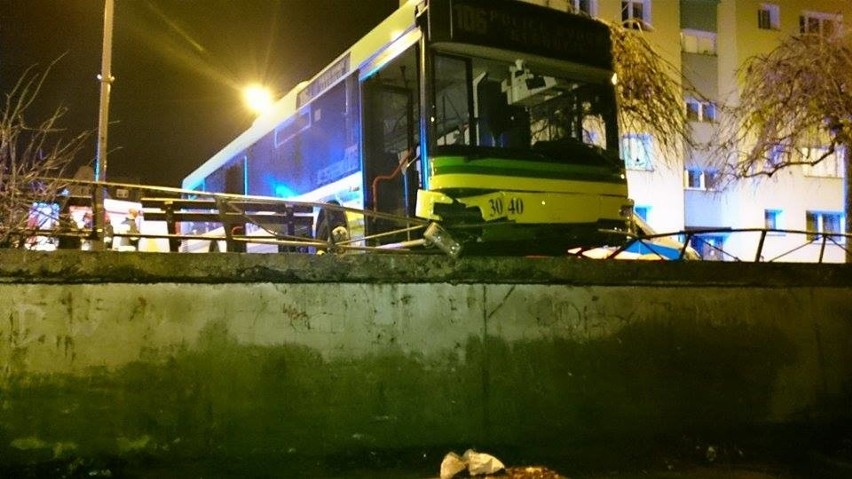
(494, 108)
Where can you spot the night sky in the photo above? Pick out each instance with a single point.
(178, 66)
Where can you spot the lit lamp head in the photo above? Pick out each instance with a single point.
(258, 98)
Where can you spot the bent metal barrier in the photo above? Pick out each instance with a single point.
(279, 218)
(293, 362)
(275, 225)
(191, 218)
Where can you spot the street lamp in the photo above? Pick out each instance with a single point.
(258, 98)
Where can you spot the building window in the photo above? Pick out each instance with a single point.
(636, 13)
(694, 179)
(772, 219)
(821, 222)
(589, 7)
(820, 23)
(712, 180)
(777, 155)
(693, 110)
(703, 111)
(701, 179)
(709, 246)
(636, 149)
(830, 166)
(697, 41)
(768, 17)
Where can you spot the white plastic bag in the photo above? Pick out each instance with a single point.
(476, 463)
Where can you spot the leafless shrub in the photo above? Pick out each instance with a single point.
(796, 96)
(794, 109)
(30, 155)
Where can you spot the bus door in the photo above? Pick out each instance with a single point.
(391, 175)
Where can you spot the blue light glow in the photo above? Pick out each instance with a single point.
(283, 191)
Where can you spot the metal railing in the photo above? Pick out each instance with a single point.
(273, 228)
(689, 239)
(239, 225)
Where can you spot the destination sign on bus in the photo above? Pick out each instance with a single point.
(522, 27)
(334, 72)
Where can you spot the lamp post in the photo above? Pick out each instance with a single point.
(106, 80)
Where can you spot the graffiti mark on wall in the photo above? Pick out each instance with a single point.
(297, 318)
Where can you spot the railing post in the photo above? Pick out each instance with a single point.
(171, 224)
(759, 252)
(686, 241)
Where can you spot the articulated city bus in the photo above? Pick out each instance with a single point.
(495, 119)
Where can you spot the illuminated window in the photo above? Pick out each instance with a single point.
(776, 157)
(693, 178)
(636, 13)
(831, 166)
(693, 110)
(702, 179)
(712, 179)
(697, 41)
(772, 219)
(819, 223)
(636, 149)
(703, 111)
(820, 23)
(709, 246)
(589, 7)
(768, 17)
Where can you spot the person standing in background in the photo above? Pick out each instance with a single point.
(132, 223)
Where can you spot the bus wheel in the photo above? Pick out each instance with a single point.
(331, 227)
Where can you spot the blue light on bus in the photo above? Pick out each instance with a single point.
(283, 191)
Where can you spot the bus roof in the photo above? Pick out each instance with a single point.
(360, 53)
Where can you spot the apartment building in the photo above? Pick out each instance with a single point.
(716, 39)
(708, 40)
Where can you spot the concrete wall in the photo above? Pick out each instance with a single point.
(173, 357)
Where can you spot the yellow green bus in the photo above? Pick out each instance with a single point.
(494, 119)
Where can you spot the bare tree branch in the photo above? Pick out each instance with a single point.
(797, 95)
(650, 89)
(794, 100)
(29, 153)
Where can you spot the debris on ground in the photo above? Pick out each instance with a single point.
(531, 473)
(477, 464)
